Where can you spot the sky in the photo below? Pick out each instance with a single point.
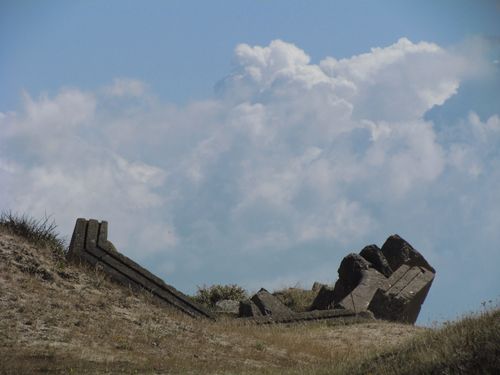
(259, 142)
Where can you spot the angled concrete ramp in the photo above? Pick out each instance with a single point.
(90, 243)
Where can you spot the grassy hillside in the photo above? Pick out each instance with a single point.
(57, 317)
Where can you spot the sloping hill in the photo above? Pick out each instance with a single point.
(58, 317)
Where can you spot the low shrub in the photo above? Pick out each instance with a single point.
(210, 295)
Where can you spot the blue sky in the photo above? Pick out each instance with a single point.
(260, 142)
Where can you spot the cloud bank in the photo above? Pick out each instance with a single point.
(289, 166)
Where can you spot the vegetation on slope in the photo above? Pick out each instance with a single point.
(39, 232)
(468, 346)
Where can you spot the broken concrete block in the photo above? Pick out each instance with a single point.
(402, 298)
(248, 309)
(89, 243)
(324, 298)
(392, 282)
(398, 252)
(317, 286)
(269, 304)
(350, 274)
(374, 255)
(360, 297)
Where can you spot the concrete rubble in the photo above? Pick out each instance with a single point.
(391, 282)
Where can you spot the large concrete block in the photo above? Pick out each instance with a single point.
(269, 304)
(360, 297)
(324, 298)
(350, 273)
(398, 252)
(374, 255)
(89, 244)
(248, 309)
(402, 298)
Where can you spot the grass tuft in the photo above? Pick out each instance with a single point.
(296, 299)
(39, 232)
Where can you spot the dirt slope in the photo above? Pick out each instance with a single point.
(63, 318)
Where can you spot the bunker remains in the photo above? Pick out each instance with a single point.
(392, 282)
(90, 243)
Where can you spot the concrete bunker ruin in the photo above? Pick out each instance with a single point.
(390, 283)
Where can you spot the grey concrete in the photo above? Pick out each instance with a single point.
(248, 309)
(360, 297)
(374, 255)
(334, 315)
(324, 298)
(269, 304)
(89, 244)
(398, 252)
(402, 300)
(391, 282)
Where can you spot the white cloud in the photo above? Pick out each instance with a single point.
(399, 82)
(123, 87)
(289, 155)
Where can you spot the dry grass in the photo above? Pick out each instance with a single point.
(296, 299)
(66, 318)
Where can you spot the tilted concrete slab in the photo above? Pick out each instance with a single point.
(360, 297)
(398, 251)
(248, 309)
(334, 314)
(269, 304)
(403, 298)
(90, 243)
(324, 298)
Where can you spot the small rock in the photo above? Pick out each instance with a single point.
(228, 306)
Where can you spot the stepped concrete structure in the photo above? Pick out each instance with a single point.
(90, 244)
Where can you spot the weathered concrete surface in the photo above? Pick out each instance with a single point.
(248, 309)
(350, 273)
(317, 286)
(360, 297)
(374, 255)
(89, 243)
(269, 304)
(404, 295)
(392, 282)
(398, 252)
(324, 298)
(335, 314)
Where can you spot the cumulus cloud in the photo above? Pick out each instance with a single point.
(289, 159)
